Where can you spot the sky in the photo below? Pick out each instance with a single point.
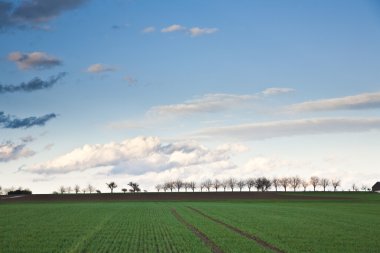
(152, 91)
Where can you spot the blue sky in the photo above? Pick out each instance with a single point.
(160, 90)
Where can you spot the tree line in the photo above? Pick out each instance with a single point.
(260, 184)
(134, 187)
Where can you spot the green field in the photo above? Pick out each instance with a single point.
(350, 225)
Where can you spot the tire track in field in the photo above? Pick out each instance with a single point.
(77, 247)
(259, 241)
(214, 247)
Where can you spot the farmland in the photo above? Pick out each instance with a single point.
(345, 223)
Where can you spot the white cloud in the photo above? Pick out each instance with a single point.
(357, 102)
(149, 29)
(99, 68)
(34, 60)
(197, 31)
(205, 104)
(286, 128)
(275, 91)
(138, 156)
(173, 28)
(11, 151)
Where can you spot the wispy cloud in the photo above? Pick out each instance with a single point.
(32, 13)
(11, 151)
(138, 156)
(99, 68)
(205, 104)
(34, 60)
(173, 28)
(197, 31)
(276, 91)
(8, 121)
(213, 103)
(149, 29)
(193, 32)
(33, 85)
(131, 80)
(356, 102)
(287, 128)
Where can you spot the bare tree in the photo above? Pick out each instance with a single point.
(207, 184)
(62, 189)
(192, 185)
(158, 187)
(169, 185)
(250, 183)
(112, 185)
(76, 189)
(202, 186)
(335, 183)
(90, 188)
(241, 184)
(69, 189)
(284, 182)
(224, 184)
(324, 182)
(364, 187)
(124, 190)
(134, 187)
(1, 190)
(295, 182)
(186, 185)
(354, 188)
(314, 181)
(216, 184)
(304, 184)
(276, 183)
(232, 183)
(262, 183)
(84, 190)
(178, 184)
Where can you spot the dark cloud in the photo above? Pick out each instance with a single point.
(8, 121)
(34, 84)
(28, 13)
(11, 151)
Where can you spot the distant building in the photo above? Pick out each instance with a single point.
(376, 187)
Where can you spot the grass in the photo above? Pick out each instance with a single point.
(350, 225)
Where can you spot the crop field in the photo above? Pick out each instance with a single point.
(347, 224)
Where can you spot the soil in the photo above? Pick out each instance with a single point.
(162, 196)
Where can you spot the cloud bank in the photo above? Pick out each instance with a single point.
(31, 13)
(34, 60)
(33, 85)
(357, 102)
(138, 156)
(286, 128)
(8, 121)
